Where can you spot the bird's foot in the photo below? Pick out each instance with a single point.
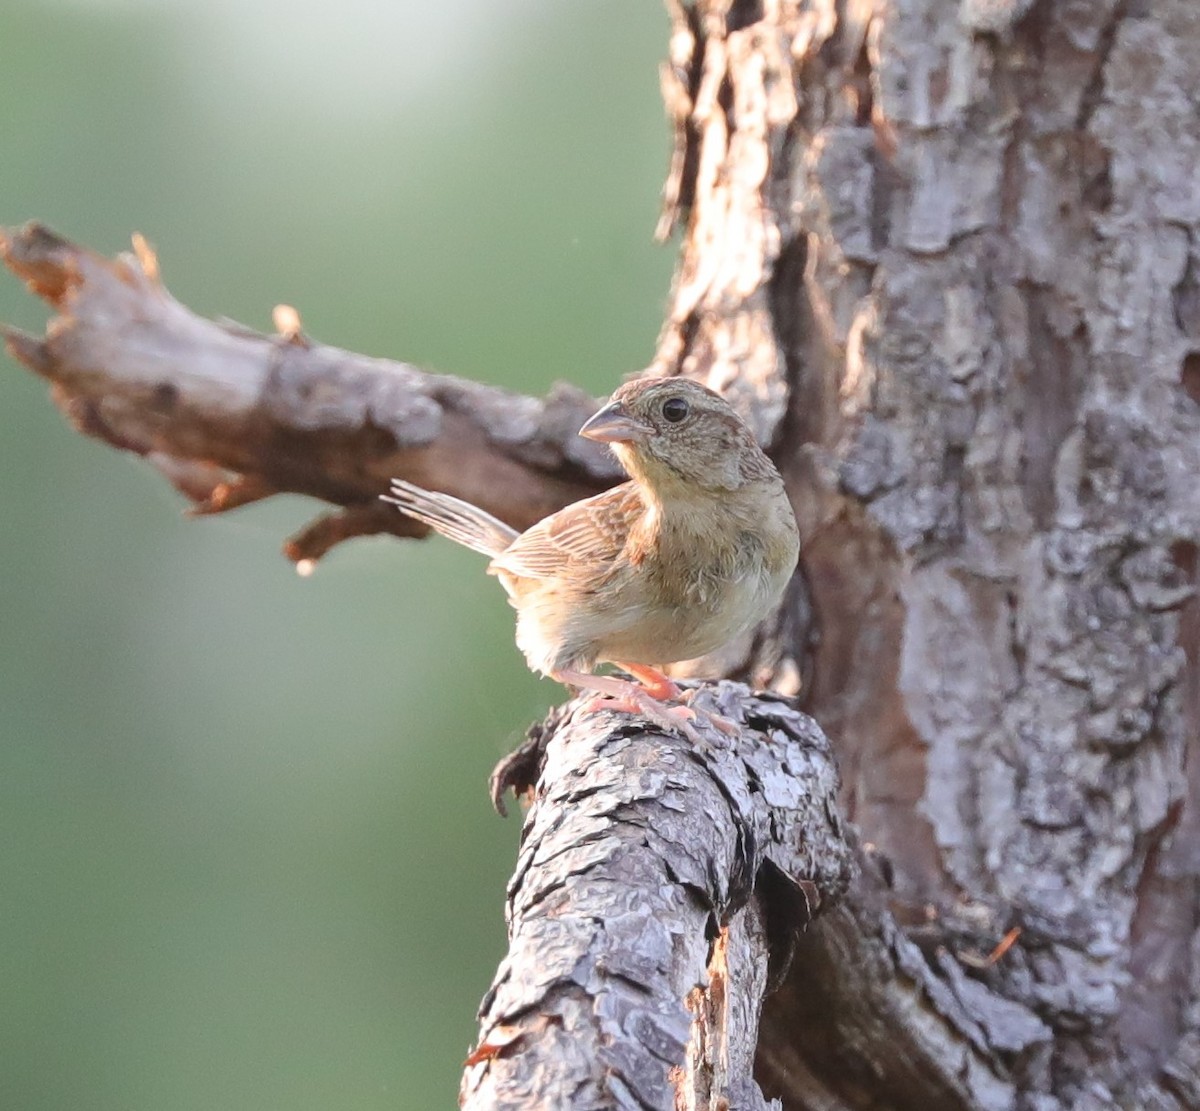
(647, 697)
(628, 697)
(637, 701)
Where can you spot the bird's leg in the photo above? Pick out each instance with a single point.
(656, 684)
(632, 698)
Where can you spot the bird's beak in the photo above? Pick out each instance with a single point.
(614, 425)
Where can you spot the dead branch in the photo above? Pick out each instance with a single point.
(231, 416)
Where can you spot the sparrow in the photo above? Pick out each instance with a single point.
(694, 549)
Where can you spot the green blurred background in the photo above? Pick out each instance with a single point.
(246, 854)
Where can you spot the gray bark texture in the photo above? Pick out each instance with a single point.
(945, 256)
(653, 872)
(980, 276)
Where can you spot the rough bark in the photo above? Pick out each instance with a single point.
(639, 913)
(944, 255)
(984, 300)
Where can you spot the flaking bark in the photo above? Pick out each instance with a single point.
(651, 875)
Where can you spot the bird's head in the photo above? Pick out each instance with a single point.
(669, 432)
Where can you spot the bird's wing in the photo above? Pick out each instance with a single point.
(588, 534)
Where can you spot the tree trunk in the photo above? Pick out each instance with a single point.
(981, 289)
(945, 257)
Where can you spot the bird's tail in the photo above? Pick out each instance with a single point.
(459, 520)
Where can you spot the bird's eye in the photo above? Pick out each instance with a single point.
(675, 409)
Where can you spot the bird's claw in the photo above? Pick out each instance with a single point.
(730, 728)
(725, 725)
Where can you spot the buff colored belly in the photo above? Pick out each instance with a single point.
(553, 636)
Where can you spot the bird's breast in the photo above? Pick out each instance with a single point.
(693, 594)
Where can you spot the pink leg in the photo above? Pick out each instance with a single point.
(661, 687)
(657, 684)
(632, 698)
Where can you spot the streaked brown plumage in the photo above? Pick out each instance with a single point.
(672, 564)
